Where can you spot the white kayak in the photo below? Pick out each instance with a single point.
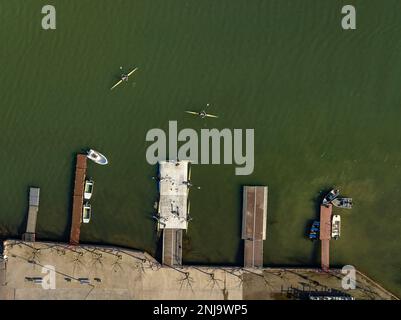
(97, 157)
(124, 77)
(202, 114)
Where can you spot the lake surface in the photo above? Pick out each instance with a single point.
(325, 105)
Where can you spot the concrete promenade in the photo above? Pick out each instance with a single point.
(100, 272)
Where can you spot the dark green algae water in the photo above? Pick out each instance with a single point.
(325, 105)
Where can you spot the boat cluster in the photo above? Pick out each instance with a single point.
(98, 158)
(331, 198)
(87, 209)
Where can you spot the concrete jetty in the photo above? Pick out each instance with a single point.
(30, 233)
(173, 208)
(173, 186)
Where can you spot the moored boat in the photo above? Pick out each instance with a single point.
(97, 157)
(86, 212)
(345, 203)
(336, 227)
(314, 230)
(333, 194)
(88, 189)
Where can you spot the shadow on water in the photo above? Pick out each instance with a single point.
(239, 257)
(317, 200)
(4, 233)
(22, 227)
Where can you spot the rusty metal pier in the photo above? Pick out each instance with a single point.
(78, 198)
(325, 235)
(254, 214)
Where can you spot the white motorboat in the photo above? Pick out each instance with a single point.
(88, 190)
(86, 213)
(336, 227)
(97, 157)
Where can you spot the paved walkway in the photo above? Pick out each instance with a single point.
(89, 272)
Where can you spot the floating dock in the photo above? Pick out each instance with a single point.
(173, 188)
(30, 233)
(78, 198)
(173, 208)
(254, 216)
(172, 247)
(325, 235)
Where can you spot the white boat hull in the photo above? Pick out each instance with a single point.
(97, 157)
(86, 213)
(87, 196)
(336, 227)
(88, 189)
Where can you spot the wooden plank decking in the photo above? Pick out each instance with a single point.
(325, 235)
(77, 204)
(254, 224)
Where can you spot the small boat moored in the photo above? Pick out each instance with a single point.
(97, 157)
(86, 213)
(336, 227)
(314, 230)
(333, 194)
(88, 189)
(345, 203)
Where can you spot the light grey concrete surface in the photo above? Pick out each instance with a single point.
(115, 273)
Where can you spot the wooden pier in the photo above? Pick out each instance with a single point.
(78, 198)
(325, 235)
(172, 247)
(254, 216)
(30, 233)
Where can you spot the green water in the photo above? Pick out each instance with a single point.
(325, 105)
